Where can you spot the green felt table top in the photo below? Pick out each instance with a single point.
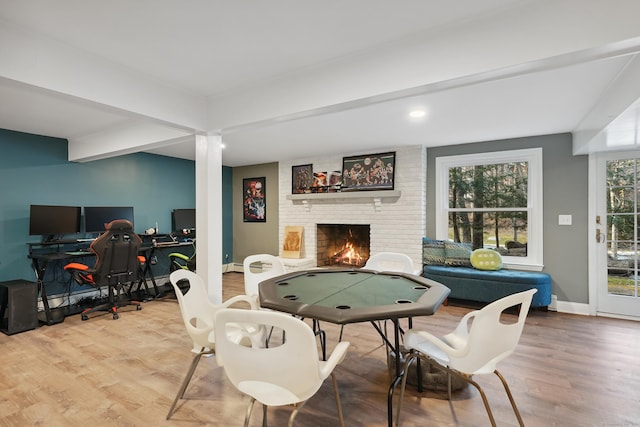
(348, 296)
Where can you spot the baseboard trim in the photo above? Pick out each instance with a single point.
(572, 308)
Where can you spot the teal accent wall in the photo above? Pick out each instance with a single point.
(34, 170)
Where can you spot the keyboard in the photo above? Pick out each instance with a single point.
(78, 253)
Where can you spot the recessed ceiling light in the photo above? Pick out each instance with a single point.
(416, 114)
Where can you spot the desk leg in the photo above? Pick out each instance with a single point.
(148, 272)
(40, 272)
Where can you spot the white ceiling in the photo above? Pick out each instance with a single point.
(215, 50)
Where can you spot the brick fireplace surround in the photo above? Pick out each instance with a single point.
(397, 223)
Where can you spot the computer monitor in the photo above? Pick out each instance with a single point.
(183, 219)
(46, 220)
(96, 217)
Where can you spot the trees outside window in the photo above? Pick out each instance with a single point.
(493, 200)
(622, 226)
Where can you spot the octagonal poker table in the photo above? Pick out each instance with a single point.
(344, 296)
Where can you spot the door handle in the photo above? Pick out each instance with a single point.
(600, 237)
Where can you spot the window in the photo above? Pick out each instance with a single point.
(493, 200)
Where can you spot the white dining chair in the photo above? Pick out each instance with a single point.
(198, 315)
(286, 374)
(480, 341)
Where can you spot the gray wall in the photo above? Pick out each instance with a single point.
(565, 193)
(256, 237)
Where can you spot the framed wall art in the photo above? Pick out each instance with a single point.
(254, 201)
(368, 172)
(301, 179)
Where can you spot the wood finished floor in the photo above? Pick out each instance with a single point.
(568, 370)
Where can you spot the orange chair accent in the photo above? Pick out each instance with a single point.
(117, 266)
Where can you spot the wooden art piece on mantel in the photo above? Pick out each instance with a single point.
(292, 246)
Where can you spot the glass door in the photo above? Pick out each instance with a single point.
(616, 234)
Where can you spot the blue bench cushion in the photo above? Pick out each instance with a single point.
(487, 286)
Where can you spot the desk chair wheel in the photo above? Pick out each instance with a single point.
(85, 317)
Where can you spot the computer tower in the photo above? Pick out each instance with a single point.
(18, 306)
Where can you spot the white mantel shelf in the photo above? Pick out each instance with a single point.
(375, 197)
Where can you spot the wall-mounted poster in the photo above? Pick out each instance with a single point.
(254, 203)
(368, 172)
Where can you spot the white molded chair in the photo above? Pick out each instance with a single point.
(391, 261)
(287, 374)
(472, 349)
(198, 316)
(252, 279)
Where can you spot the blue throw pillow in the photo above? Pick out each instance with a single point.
(457, 254)
(432, 251)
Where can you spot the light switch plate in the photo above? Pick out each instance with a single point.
(564, 219)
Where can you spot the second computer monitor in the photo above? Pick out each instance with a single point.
(96, 217)
(183, 219)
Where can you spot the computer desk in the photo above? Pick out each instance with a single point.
(43, 254)
(40, 261)
(149, 251)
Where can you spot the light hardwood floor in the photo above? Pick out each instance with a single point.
(568, 370)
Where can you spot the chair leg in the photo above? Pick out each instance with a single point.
(264, 415)
(187, 379)
(513, 402)
(465, 378)
(337, 395)
(484, 397)
(405, 372)
(294, 413)
(248, 414)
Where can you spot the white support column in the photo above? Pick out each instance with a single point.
(209, 213)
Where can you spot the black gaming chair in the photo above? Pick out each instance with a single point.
(117, 266)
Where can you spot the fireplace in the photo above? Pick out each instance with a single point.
(342, 245)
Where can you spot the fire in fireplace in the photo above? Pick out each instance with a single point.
(342, 245)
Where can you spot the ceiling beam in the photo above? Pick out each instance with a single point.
(473, 48)
(58, 68)
(124, 138)
(590, 135)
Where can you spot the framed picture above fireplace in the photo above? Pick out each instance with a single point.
(368, 172)
(301, 179)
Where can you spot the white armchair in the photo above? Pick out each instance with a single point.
(279, 375)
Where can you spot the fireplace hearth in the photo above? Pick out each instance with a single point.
(342, 245)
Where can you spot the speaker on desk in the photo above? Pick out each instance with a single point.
(18, 306)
